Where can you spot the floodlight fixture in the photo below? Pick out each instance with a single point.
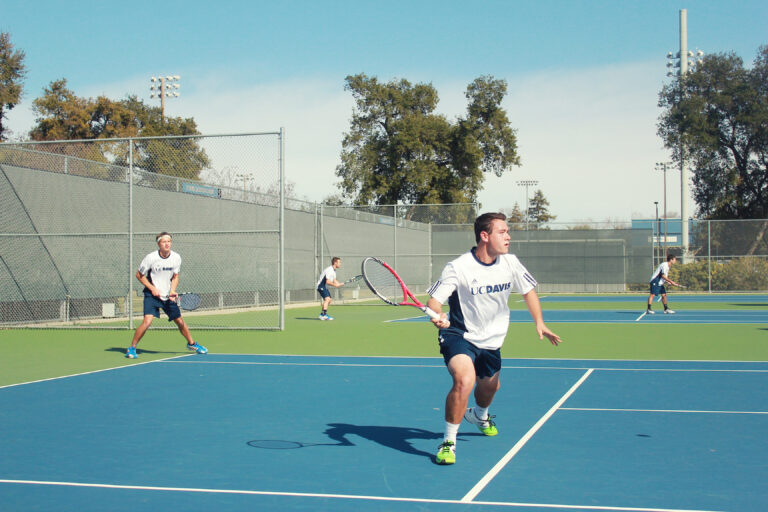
(526, 184)
(164, 90)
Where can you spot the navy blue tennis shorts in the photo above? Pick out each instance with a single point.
(153, 305)
(323, 291)
(658, 289)
(487, 362)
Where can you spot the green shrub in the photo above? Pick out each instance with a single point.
(691, 275)
(740, 274)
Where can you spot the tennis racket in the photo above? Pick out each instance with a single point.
(188, 301)
(354, 279)
(387, 285)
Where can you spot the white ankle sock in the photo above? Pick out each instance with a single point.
(451, 429)
(481, 413)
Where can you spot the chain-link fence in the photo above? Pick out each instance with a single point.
(79, 216)
(725, 255)
(400, 235)
(419, 240)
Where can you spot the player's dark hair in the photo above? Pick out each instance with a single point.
(483, 223)
(161, 235)
(335, 259)
(671, 257)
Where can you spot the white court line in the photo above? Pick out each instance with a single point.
(93, 371)
(344, 496)
(441, 365)
(472, 494)
(261, 363)
(541, 297)
(600, 409)
(641, 316)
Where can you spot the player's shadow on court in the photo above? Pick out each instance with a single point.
(396, 438)
(140, 351)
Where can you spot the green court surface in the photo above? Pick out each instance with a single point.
(367, 330)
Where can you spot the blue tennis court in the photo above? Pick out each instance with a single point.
(237, 432)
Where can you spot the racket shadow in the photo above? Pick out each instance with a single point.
(396, 438)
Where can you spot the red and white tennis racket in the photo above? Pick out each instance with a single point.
(387, 285)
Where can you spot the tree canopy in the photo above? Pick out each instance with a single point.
(538, 211)
(62, 115)
(398, 150)
(12, 73)
(515, 218)
(717, 116)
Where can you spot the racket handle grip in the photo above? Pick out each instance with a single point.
(430, 313)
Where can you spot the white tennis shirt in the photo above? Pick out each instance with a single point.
(161, 270)
(329, 274)
(478, 295)
(661, 270)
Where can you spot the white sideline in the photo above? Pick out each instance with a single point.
(472, 494)
(341, 496)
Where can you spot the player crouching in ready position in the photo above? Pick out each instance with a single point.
(159, 273)
(328, 278)
(477, 286)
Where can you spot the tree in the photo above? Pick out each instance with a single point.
(398, 150)
(62, 115)
(515, 218)
(717, 116)
(538, 211)
(12, 73)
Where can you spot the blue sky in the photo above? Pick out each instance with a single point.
(583, 75)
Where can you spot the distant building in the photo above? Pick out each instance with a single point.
(673, 234)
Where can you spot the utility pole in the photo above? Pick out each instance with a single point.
(526, 184)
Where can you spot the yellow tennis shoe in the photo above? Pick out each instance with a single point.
(486, 426)
(446, 453)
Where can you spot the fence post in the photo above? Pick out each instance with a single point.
(130, 233)
(709, 256)
(281, 228)
(394, 236)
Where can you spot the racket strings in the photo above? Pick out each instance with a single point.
(383, 281)
(189, 301)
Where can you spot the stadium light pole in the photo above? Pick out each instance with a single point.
(662, 166)
(245, 178)
(655, 245)
(167, 87)
(526, 184)
(684, 61)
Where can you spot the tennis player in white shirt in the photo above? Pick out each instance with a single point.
(658, 279)
(477, 286)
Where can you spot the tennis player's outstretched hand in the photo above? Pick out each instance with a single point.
(543, 330)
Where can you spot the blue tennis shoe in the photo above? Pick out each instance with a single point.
(131, 353)
(198, 348)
